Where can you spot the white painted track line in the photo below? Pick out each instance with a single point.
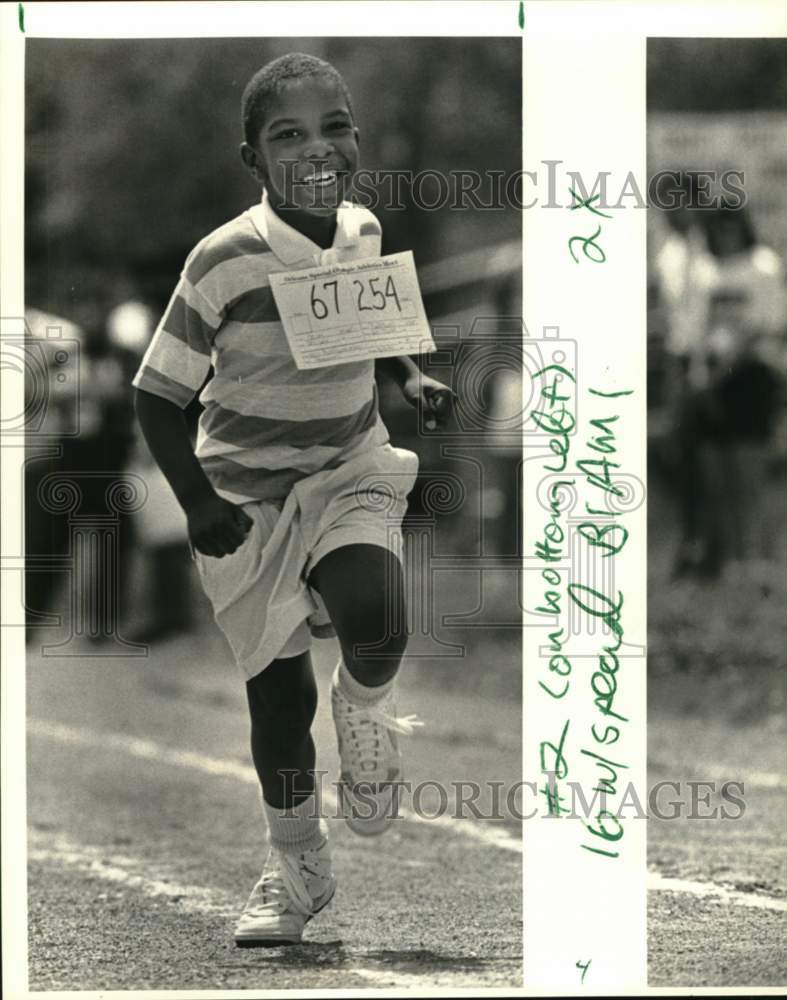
(127, 872)
(710, 890)
(148, 750)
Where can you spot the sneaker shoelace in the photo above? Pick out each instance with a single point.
(365, 722)
(283, 886)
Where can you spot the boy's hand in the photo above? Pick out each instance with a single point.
(435, 399)
(217, 527)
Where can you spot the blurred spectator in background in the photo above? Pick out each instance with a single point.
(164, 597)
(52, 408)
(506, 413)
(91, 439)
(726, 317)
(682, 266)
(682, 262)
(737, 375)
(98, 395)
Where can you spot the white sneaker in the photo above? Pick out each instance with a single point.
(292, 889)
(371, 764)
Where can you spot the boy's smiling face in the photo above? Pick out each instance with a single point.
(307, 149)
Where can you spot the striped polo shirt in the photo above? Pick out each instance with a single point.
(265, 424)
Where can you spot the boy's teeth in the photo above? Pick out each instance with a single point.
(324, 178)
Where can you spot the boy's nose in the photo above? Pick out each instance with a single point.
(318, 150)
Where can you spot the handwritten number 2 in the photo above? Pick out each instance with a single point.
(361, 289)
(588, 241)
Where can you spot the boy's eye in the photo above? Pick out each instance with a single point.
(287, 133)
(339, 126)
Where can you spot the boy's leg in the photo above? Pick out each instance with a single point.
(282, 703)
(363, 590)
(297, 880)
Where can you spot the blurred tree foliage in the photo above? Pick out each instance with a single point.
(717, 74)
(132, 148)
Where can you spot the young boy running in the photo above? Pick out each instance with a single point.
(294, 497)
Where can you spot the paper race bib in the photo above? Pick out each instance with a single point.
(353, 312)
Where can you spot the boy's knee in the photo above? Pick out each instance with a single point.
(374, 619)
(377, 659)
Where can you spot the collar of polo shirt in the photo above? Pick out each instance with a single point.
(292, 247)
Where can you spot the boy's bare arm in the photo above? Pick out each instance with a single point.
(216, 526)
(399, 369)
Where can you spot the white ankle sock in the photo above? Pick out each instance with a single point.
(294, 830)
(360, 694)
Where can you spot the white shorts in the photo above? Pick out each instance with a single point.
(260, 595)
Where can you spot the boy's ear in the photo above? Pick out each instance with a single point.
(252, 161)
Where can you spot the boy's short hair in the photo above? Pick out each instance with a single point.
(269, 81)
